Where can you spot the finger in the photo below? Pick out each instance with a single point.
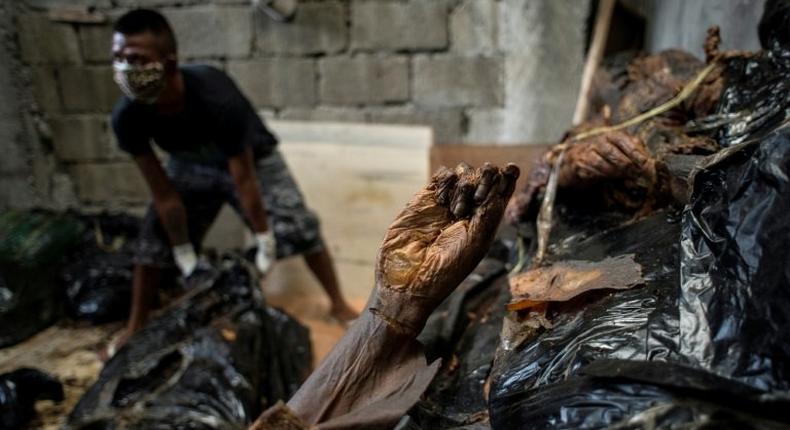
(487, 217)
(464, 194)
(632, 147)
(508, 182)
(597, 165)
(489, 177)
(444, 181)
(618, 162)
(464, 190)
(463, 169)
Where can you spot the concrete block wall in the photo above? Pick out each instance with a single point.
(467, 68)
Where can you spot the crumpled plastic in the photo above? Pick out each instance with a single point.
(571, 374)
(97, 276)
(755, 100)
(734, 278)
(32, 246)
(19, 392)
(704, 339)
(464, 333)
(634, 324)
(214, 360)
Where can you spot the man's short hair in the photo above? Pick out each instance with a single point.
(142, 20)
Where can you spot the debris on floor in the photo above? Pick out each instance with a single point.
(215, 358)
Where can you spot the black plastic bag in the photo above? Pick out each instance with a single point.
(635, 324)
(464, 333)
(33, 245)
(97, 277)
(736, 267)
(212, 361)
(619, 394)
(19, 392)
(756, 98)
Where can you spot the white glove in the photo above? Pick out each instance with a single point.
(267, 251)
(186, 258)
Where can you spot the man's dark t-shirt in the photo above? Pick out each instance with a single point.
(217, 122)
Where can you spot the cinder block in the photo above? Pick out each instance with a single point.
(17, 192)
(88, 89)
(14, 158)
(212, 31)
(447, 124)
(317, 28)
(324, 113)
(458, 81)
(44, 41)
(82, 138)
(397, 25)
(45, 89)
(96, 41)
(63, 193)
(473, 27)
(119, 182)
(276, 82)
(363, 80)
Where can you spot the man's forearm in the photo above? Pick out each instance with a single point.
(252, 204)
(243, 171)
(173, 217)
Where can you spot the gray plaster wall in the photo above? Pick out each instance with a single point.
(17, 171)
(684, 23)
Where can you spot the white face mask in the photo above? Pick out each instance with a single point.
(143, 83)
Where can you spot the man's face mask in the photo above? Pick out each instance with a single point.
(143, 83)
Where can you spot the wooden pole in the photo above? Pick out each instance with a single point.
(602, 21)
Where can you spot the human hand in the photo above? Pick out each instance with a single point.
(442, 234)
(267, 251)
(186, 259)
(612, 155)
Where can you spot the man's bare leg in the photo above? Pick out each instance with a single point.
(145, 282)
(320, 263)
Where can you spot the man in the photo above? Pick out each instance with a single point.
(220, 152)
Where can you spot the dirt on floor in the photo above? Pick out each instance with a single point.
(69, 351)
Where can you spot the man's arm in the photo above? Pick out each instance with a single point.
(167, 202)
(243, 171)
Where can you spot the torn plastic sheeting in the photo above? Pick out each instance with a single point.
(212, 361)
(636, 324)
(756, 98)
(735, 277)
(618, 394)
(464, 332)
(19, 392)
(32, 246)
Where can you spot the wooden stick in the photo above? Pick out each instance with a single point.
(601, 32)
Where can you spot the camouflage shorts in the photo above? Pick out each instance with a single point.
(203, 191)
